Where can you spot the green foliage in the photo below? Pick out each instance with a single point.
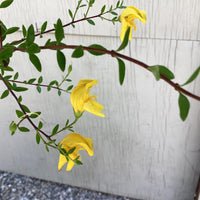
(121, 70)
(13, 127)
(39, 89)
(103, 9)
(30, 35)
(158, 70)
(61, 60)
(19, 113)
(96, 46)
(192, 77)
(125, 40)
(24, 31)
(40, 79)
(55, 129)
(11, 30)
(78, 52)
(5, 94)
(71, 150)
(33, 48)
(35, 61)
(184, 106)
(40, 125)
(44, 26)
(6, 3)
(91, 22)
(37, 137)
(59, 31)
(23, 129)
(16, 76)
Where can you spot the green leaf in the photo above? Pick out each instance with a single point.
(103, 9)
(166, 72)
(113, 13)
(8, 77)
(97, 46)
(192, 77)
(78, 52)
(5, 3)
(55, 129)
(39, 89)
(69, 69)
(13, 127)
(44, 26)
(19, 113)
(35, 61)
(20, 99)
(33, 48)
(31, 80)
(70, 87)
(47, 148)
(23, 129)
(11, 30)
(40, 79)
(155, 71)
(71, 150)
(26, 109)
(40, 125)
(61, 60)
(30, 35)
(91, 22)
(121, 70)
(59, 32)
(67, 122)
(5, 94)
(161, 70)
(6, 53)
(33, 116)
(184, 106)
(59, 92)
(24, 30)
(37, 137)
(16, 76)
(125, 40)
(54, 83)
(19, 89)
(70, 13)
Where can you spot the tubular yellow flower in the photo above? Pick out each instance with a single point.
(127, 19)
(80, 143)
(81, 100)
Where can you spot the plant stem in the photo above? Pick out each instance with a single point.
(66, 127)
(115, 54)
(36, 84)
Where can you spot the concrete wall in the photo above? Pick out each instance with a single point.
(141, 149)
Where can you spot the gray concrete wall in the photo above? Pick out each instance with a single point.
(141, 149)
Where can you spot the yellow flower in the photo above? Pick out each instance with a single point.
(127, 19)
(79, 142)
(81, 100)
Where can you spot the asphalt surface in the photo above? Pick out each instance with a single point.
(18, 187)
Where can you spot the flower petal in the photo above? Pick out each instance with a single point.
(70, 165)
(62, 161)
(75, 139)
(94, 108)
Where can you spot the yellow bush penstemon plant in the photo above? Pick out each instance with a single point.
(127, 19)
(78, 142)
(82, 101)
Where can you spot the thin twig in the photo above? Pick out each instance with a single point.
(36, 84)
(116, 54)
(20, 105)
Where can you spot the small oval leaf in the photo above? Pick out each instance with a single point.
(121, 70)
(184, 106)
